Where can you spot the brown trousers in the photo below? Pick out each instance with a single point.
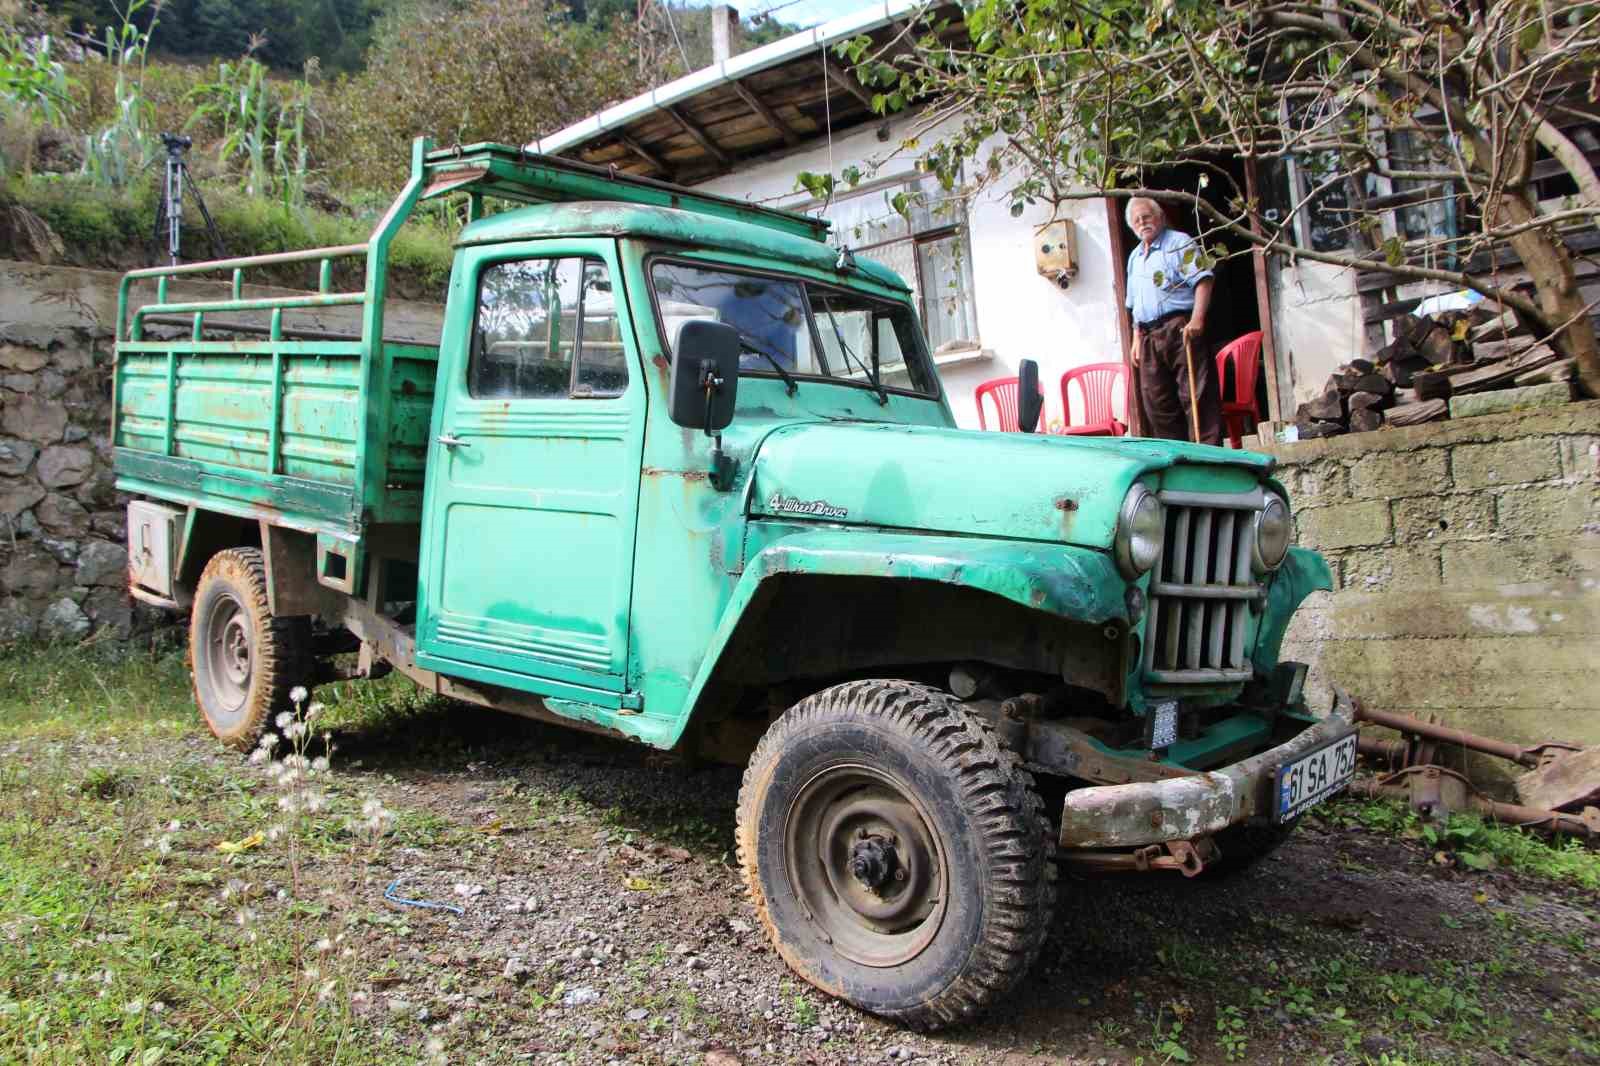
(1162, 381)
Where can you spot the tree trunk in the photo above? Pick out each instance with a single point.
(1545, 257)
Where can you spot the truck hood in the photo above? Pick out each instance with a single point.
(1009, 485)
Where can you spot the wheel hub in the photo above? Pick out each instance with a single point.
(866, 862)
(873, 862)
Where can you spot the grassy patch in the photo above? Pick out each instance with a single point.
(104, 227)
(161, 905)
(1478, 843)
(60, 691)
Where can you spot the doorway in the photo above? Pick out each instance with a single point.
(1236, 304)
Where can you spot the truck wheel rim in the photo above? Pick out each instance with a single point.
(866, 865)
(228, 656)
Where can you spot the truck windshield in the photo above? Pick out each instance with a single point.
(810, 330)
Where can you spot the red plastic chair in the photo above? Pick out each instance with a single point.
(1097, 383)
(1239, 412)
(1002, 396)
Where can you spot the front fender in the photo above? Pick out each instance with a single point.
(1301, 574)
(1075, 583)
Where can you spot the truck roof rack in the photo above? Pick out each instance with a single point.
(515, 174)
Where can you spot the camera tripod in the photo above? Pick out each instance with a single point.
(169, 212)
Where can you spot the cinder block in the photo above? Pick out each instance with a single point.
(1315, 484)
(1519, 560)
(1548, 510)
(1463, 675)
(1462, 515)
(1348, 525)
(1512, 462)
(1392, 475)
(1500, 401)
(1394, 568)
(1580, 457)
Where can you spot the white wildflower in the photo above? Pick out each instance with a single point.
(314, 711)
(274, 832)
(174, 825)
(320, 764)
(284, 720)
(234, 887)
(315, 801)
(298, 694)
(323, 946)
(326, 991)
(164, 845)
(134, 1006)
(245, 917)
(259, 756)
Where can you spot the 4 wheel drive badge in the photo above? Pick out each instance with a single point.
(781, 504)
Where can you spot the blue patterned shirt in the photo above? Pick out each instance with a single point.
(1149, 299)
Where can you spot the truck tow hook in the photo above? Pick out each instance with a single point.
(1188, 857)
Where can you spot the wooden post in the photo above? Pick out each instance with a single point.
(1269, 345)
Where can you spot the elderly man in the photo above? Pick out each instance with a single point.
(1168, 294)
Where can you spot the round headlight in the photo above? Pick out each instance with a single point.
(1272, 534)
(1139, 530)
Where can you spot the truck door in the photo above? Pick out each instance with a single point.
(533, 477)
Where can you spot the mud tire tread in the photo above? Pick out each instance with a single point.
(281, 655)
(1013, 829)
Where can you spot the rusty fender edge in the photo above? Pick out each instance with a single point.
(1182, 808)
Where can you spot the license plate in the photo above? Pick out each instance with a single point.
(1312, 778)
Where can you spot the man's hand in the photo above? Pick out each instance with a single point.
(1138, 343)
(1195, 328)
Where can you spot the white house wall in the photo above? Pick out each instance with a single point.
(1019, 313)
(1319, 324)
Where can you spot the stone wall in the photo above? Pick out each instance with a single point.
(61, 528)
(1466, 563)
(62, 523)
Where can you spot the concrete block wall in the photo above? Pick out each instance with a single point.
(1466, 564)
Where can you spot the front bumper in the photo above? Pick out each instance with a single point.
(1183, 808)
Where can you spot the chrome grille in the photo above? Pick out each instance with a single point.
(1202, 589)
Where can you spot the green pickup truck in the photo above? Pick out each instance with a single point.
(680, 471)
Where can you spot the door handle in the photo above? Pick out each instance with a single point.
(450, 441)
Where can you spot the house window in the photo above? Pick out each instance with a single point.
(928, 246)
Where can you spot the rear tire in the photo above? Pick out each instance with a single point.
(243, 661)
(896, 852)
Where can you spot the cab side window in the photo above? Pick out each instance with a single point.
(546, 329)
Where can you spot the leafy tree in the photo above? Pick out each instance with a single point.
(281, 33)
(1455, 100)
(506, 70)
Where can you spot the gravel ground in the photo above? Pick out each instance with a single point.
(604, 920)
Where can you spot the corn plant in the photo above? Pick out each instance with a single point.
(115, 154)
(263, 127)
(30, 80)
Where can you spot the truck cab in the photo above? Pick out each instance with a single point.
(680, 470)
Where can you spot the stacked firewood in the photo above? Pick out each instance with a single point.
(1432, 358)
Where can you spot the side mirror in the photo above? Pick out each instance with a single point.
(705, 376)
(1030, 401)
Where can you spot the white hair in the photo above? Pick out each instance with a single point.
(1127, 212)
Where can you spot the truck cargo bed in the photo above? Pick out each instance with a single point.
(275, 427)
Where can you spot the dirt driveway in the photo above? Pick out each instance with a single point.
(604, 919)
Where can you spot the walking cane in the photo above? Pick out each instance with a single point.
(1194, 400)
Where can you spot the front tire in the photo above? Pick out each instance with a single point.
(244, 661)
(896, 852)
